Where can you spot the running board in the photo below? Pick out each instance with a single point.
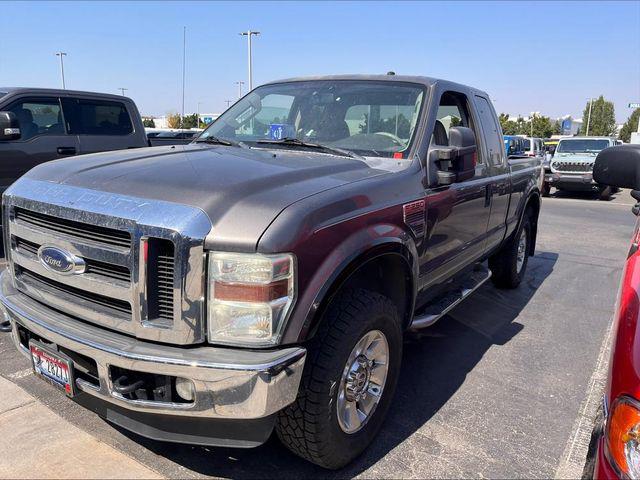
(444, 304)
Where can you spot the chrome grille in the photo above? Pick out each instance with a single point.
(95, 267)
(45, 284)
(572, 167)
(93, 233)
(165, 286)
(159, 297)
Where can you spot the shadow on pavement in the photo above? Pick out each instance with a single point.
(579, 195)
(435, 365)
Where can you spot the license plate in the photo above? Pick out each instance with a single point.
(52, 366)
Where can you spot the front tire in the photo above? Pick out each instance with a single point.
(509, 264)
(546, 189)
(348, 383)
(605, 192)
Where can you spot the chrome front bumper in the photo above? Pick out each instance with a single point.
(229, 383)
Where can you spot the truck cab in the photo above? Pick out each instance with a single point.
(50, 124)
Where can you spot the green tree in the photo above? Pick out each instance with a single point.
(190, 121)
(630, 126)
(148, 123)
(542, 126)
(557, 128)
(602, 121)
(509, 127)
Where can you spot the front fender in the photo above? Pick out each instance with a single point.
(335, 268)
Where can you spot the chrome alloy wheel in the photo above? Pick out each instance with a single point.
(522, 250)
(362, 382)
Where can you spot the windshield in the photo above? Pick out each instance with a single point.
(366, 117)
(581, 145)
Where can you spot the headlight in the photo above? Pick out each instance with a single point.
(623, 436)
(249, 297)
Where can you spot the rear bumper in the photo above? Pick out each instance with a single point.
(232, 386)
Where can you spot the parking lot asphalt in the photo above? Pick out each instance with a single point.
(504, 386)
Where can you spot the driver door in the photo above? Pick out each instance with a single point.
(457, 214)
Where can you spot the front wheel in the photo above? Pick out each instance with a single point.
(348, 383)
(605, 192)
(509, 264)
(546, 189)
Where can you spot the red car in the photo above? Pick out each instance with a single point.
(618, 448)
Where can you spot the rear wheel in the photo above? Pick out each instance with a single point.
(509, 264)
(348, 383)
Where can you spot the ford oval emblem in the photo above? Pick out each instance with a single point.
(60, 261)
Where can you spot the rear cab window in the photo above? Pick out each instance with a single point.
(97, 117)
(492, 136)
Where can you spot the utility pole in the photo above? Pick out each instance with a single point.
(184, 64)
(62, 54)
(240, 83)
(229, 102)
(198, 109)
(249, 33)
(122, 90)
(589, 117)
(533, 114)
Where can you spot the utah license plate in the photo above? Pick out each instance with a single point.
(52, 366)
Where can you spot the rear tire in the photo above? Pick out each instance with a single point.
(314, 426)
(509, 264)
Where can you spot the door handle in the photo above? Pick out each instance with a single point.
(66, 150)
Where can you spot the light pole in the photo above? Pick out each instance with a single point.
(589, 116)
(184, 64)
(122, 89)
(229, 102)
(249, 33)
(240, 83)
(62, 54)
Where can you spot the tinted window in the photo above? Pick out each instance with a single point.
(491, 130)
(38, 117)
(97, 117)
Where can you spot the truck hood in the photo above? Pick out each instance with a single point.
(241, 190)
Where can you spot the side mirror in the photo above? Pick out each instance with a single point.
(619, 167)
(9, 126)
(457, 162)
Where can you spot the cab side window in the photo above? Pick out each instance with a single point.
(38, 117)
(452, 112)
(97, 117)
(493, 138)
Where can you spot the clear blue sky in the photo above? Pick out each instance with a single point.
(530, 56)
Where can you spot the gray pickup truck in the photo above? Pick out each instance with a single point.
(263, 276)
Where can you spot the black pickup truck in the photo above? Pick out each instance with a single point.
(263, 276)
(42, 124)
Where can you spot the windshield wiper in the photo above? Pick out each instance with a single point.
(216, 141)
(295, 142)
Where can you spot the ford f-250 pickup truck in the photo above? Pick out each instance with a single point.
(263, 276)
